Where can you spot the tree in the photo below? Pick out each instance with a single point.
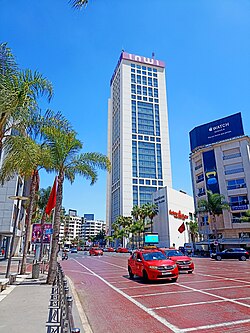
(19, 92)
(68, 162)
(26, 155)
(151, 211)
(214, 206)
(79, 3)
(245, 218)
(193, 229)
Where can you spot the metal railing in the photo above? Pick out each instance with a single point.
(60, 318)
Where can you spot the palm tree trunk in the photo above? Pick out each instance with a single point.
(34, 182)
(56, 229)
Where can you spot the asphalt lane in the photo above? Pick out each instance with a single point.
(214, 299)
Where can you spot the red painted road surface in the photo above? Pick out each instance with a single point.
(214, 299)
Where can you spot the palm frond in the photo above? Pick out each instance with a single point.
(78, 4)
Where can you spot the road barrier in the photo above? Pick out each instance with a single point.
(60, 318)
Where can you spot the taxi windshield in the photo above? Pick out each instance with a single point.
(153, 256)
(173, 253)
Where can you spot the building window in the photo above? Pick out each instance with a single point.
(139, 79)
(147, 182)
(199, 178)
(236, 183)
(231, 153)
(233, 168)
(146, 194)
(133, 78)
(135, 181)
(201, 191)
(141, 181)
(239, 202)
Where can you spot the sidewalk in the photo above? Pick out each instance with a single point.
(24, 305)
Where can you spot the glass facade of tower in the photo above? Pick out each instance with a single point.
(146, 140)
(138, 141)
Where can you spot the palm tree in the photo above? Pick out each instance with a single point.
(79, 3)
(193, 229)
(19, 92)
(68, 162)
(26, 155)
(245, 218)
(151, 211)
(214, 206)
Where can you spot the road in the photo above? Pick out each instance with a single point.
(214, 299)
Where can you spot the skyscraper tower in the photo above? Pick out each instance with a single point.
(138, 137)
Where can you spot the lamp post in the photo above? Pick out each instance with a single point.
(18, 198)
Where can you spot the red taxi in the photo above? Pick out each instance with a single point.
(122, 250)
(95, 251)
(184, 263)
(152, 265)
(110, 249)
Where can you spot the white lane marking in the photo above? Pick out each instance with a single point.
(78, 272)
(197, 303)
(237, 322)
(164, 285)
(186, 304)
(224, 278)
(142, 307)
(109, 263)
(163, 293)
(183, 291)
(216, 296)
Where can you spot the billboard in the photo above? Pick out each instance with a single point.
(218, 130)
(37, 233)
(151, 239)
(210, 171)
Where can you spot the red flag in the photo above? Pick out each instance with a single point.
(52, 199)
(182, 228)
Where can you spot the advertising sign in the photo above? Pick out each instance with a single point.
(151, 239)
(210, 170)
(218, 130)
(37, 233)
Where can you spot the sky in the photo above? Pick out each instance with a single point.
(204, 43)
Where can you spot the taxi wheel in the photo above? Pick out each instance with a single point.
(218, 258)
(131, 275)
(190, 272)
(243, 258)
(145, 276)
(174, 279)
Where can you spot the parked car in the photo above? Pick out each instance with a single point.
(73, 250)
(184, 263)
(152, 265)
(122, 250)
(111, 249)
(95, 251)
(232, 253)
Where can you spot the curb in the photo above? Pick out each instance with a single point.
(85, 323)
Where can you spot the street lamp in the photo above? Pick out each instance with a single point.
(18, 198)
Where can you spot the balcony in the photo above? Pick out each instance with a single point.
(236, 186)
(239, 207)
(230, 172)
(227, 157)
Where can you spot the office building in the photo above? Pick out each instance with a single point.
(138, 137)
(91, 228)
(220, 162)
(175, 211)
